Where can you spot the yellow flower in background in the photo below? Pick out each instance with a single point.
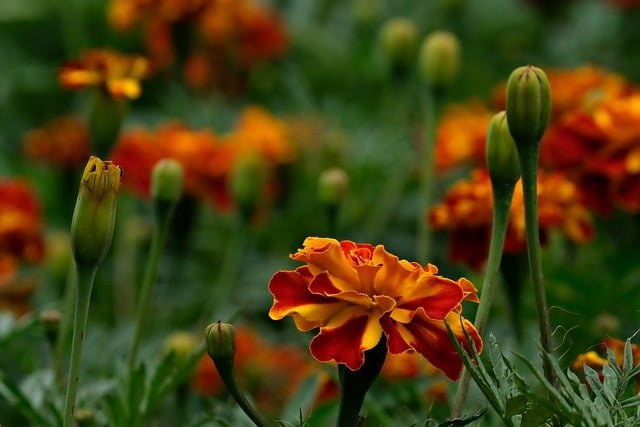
(118, 75)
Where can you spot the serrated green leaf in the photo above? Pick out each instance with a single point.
(515, 405)
(536, 417)
(627, 363)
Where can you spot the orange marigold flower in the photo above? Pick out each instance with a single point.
(600, 150)
(467, 213)
(357, 293)
(270, 373)
(63, 141)
(21, 237)
(461, 136)
(257, 131)
(116, 74)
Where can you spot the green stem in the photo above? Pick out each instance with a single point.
(502, 195)
(226, 279)
(66, 322)
(355, 384)
(162, 214)
(529, 153)
(426, 170)
(84, 285)
(225, 369)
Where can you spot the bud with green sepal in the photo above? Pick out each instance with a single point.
(247, 183)
(221, 347)
(502, 156)
(398, 40)
(528, 113)
(439, 60)
(528, 104)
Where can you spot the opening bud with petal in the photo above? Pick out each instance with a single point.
(439, 60)
(502, 156)
(166, 181)
(95, 212)
(528, 104)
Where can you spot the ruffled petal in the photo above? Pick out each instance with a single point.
(292, 296)
(470, 291)
(324, 284)
(347, 337)
(395, 275)
(436, 295)
(430, 338)
(324, 254)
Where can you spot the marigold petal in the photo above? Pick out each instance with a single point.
(347, 342)
(436, 295)
(470, 291)
(324, 254)
(292, 296)
(396, 343)
(323, 284)
(396, 275)
(430, 338)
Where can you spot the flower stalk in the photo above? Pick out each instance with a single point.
(504, 171)
(167, 177)
(528, 113)
(221, 347)
(91, 233)
(355, 384)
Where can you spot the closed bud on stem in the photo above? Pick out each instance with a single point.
(166, 181)
(502, 156)
(528, 104)
(247, 181)
(439, 60)
(398, 40)
(221, 342)
(95, 212)
(333, 184)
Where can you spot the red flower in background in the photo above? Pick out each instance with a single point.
(63, 141)
(466, 212)
(21, 238)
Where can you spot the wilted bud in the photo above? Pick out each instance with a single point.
(247, 181)
(95, 212)
(502, 155)
(221, 342)
(182, 344)
(166, 181)
(398, 39)
(51, 323)
(439, 60)
(332, 186)
(528, 104)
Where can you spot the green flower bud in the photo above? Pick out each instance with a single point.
(502, 155)
(439, 60)
(528, 104)
(332, 186)
(166, 181)
(182, 344)
(247, 181)
(95, 212)
(398, 40)
(221, 342)
(366, 11)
